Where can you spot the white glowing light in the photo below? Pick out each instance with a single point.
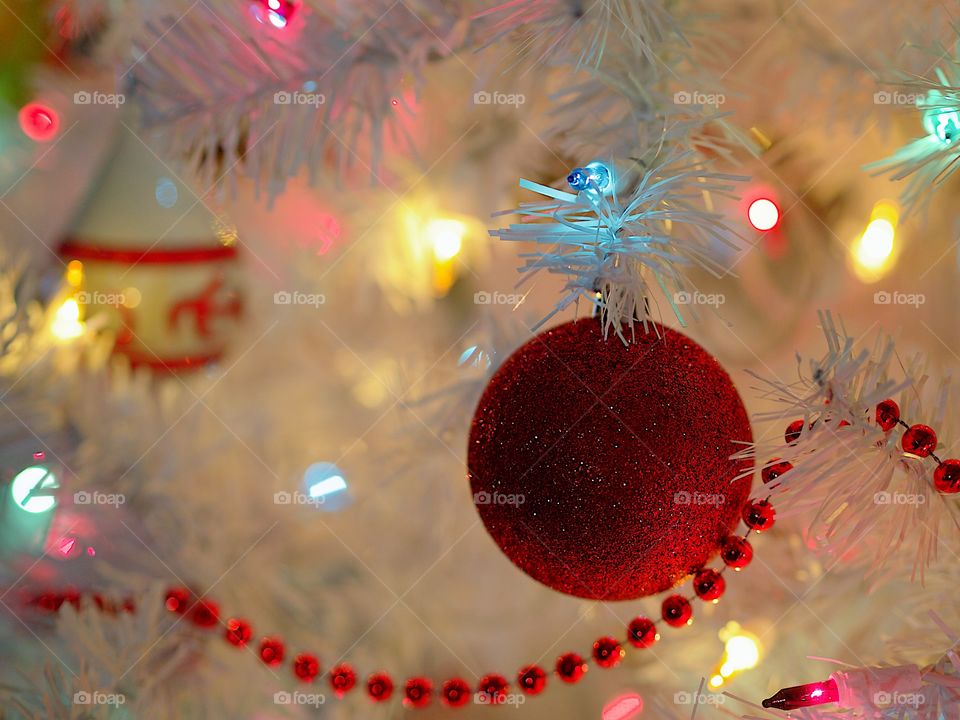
(763, 214)
(743, 653)
(445, 237)
(876, 244)
(31, 489)
(328, 486)
(66, 321)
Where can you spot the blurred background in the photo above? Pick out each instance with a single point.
(245, 251)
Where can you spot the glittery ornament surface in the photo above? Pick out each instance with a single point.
(602, 470)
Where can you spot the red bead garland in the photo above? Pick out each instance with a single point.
(342, 679)
(888, 415)
(455, 692)
(532, 679)
(306, 666)
(492, 689)
(759, 515)
(736, 552)
(271, 651)
(919, 440)
(773, 470)
(642, 633)
(379, 687)
(607, 652)
(709, 585)
(677, 611)
(238, 632)
(417, 692)
(570, 667)
(793, 432)
(946, 478)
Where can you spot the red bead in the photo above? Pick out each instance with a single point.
(793, 432)
(919, 440)
(532, 679)
(888, 415)
(607, 652)
(492, 689)
(342, 679)
(205, 614)
(271, 651)
(774, 469)
(946, 478)
(759, 515)
(379, 687)
(642, 633)
(238, 632)
(708, 584)
(736, 552)
(49, 601)
(177, 600)
(417, 692)
(570, 667)
(72, 597)
(677, 611)
(306, 666)
(455, 692)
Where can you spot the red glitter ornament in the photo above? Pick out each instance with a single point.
(455, 692)
(607, 652)
(677, 611)
(590, 460)
(736, 552)
(570, 667)
(177, 600)
(306, 666)
(759, 515)
(642, 633)
(417, 692)
(205, 614)
(888, 415)
(708, 584)
(946, 478)
(271, 651)
(238, 632)
(342, 679)
(532, 679)
(919, 440)
(379, 687)
(492, 689)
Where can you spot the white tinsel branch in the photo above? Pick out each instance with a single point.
(658, 222)
(866, 500)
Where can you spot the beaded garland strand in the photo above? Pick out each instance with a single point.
(417, 692)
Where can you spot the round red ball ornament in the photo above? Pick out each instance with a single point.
(602, 469)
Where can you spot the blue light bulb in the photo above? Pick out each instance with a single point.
(595, 176)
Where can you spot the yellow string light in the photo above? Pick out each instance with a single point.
(741, 652)
(874, 252)
(66, 324)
